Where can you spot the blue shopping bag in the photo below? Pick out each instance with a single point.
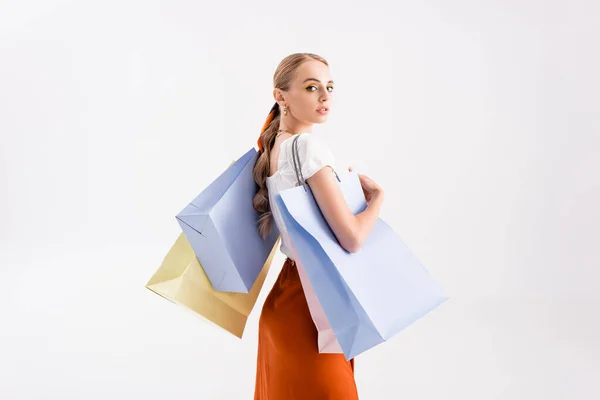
(221, 225)
(367, 296)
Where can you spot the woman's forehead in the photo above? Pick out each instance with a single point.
(315, 71)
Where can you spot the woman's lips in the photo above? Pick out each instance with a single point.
(323, 112)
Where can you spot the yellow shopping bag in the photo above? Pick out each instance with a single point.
(181, 279)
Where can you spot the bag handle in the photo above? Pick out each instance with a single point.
(297, 167)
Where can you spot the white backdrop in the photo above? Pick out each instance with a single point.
(480, 119)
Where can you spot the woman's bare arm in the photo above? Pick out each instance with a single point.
(350, 230)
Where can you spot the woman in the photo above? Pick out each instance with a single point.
(289, 365)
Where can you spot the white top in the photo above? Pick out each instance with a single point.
(314, 154)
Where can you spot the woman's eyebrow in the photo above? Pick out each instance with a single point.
(313, 79)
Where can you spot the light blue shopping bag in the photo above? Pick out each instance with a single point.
(221, 225)
(367, 296)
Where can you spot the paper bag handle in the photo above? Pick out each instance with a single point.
(297, 166)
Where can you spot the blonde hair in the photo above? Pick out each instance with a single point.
(282, 79)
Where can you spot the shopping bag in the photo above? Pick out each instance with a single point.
(367, 296)
(221, 226)
(326, 340)
(181, 279)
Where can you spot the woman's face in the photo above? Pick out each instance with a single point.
(310, 91)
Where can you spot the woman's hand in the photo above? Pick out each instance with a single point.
(369, 187)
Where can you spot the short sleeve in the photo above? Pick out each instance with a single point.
(313, 153)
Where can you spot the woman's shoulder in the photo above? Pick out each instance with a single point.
(313, 153)
(308, 144)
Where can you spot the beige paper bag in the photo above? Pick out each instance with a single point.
(181, 279)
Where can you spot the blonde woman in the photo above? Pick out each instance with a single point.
(289, 365)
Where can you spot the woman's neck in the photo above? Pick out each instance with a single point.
(295, 128)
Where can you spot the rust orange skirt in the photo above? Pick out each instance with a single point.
(289, 365)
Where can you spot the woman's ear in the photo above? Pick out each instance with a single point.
(278, 95)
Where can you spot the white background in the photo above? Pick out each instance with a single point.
(480, 119)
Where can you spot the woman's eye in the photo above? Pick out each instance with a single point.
(313, 86)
